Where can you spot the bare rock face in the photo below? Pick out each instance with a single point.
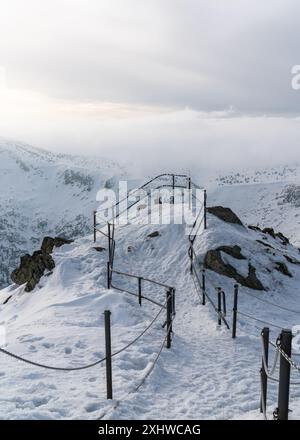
(213, 260)
(225, 214)
(282, 267)
(32, 267)
(50, 243)
(233, 251)
(153, 234)
(275, 235)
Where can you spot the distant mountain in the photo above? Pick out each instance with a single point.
(43, 193)
(269, 196)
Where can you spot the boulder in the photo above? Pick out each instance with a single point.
(233, 251)
(32, 268)
(225, 214)
(213, 261)
(50, 243)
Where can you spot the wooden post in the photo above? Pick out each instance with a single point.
(203, 287)
(109, 390)
(234, 310)
(284, 375)
(264, 378)
(169, 318)
(95, 226)
(140, 290)
(219, 292)
(205, 209)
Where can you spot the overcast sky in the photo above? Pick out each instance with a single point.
(152, 78)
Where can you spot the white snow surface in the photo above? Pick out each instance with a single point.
(205, 374)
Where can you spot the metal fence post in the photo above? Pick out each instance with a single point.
(203, 287)
(173, 302)
(95, 225)
(219, 292)
(264, 378)
(108, 275)
(284, 375)
(109, 390)
(140, 290)
(190, 195)
(234, 310)
(109, 241)
(205, 209)
(169, 317)
(224, 302)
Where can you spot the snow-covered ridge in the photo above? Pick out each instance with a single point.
(44, 193)
(61, 323)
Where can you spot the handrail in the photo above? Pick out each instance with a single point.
(172, 185)
(135, 294)
(148, 183)
(142, 278)
(220, 314)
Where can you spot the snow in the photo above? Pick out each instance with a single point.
(205, 374)
(45, 194)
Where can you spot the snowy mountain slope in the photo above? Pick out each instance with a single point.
(43, 193)
(205, 374)
(264, 204)
(263, 196)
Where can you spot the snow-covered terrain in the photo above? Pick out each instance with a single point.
(264, 197)
(205, 374)
(43, 193)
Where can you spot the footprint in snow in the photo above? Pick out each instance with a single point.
(47, 345)
(68, 350)
(91, 407)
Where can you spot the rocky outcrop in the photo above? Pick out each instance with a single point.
(275, 235)
(233, 251)
(225, 214)
(50, 243)
(282, 267)
(153, 234)
(32, 267)
(213, 260)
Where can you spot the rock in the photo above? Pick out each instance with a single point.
(282, 267)
(32, 268)
(153, 234)
(233, 251)
(292, 260)
(275, 235)
(99, 248)
(265, 244)
(252, 281)
(213, 260)
(50, 243)
(225, 214)
(283, 238)
(269, 231)
(255, 228)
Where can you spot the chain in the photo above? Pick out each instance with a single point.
(267, 371)
(286, 357)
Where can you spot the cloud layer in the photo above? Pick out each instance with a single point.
(117, 77)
